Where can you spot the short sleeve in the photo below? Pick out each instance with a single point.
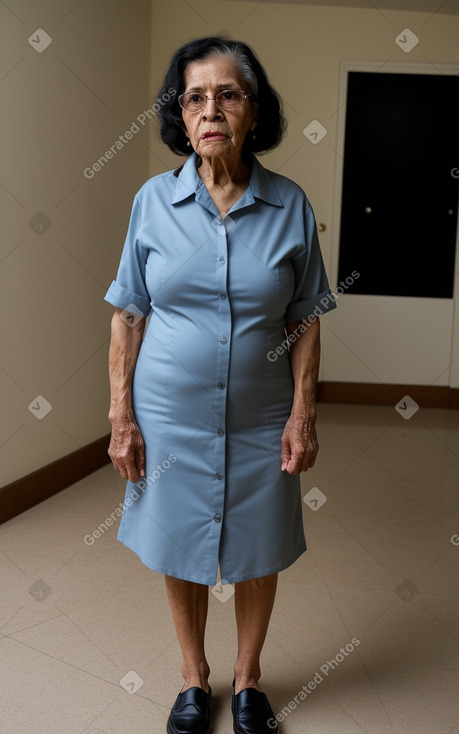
(130, 287)
(312, 294)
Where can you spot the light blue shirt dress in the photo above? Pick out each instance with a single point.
(213, 386)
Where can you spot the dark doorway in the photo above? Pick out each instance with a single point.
(400, 184)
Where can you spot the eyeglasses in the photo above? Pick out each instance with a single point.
(227, 99)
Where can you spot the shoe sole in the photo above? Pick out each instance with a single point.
(169, 730)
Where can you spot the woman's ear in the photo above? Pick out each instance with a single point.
(187, 136)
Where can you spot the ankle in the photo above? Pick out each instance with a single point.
(196, 675)
(246, 677)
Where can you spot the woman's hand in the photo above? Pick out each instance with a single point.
(127, 449)
(299, 445)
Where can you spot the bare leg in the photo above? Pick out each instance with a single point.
(188, 602)
(254, 601)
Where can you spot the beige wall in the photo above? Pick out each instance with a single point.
(60, 110)
(63, 108)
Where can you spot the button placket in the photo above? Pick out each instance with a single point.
(222, 307)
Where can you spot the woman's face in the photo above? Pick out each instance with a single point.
(209, 77)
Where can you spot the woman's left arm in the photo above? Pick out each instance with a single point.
(299, 445)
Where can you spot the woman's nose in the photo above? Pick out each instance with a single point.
(210, 109)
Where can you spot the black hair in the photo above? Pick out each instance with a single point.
(271, 123)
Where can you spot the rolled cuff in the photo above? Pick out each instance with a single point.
(122, 298)
(314, 306)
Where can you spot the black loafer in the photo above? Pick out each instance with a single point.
(190, 713)
(252, 713)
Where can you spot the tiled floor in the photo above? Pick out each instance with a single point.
(381, 569)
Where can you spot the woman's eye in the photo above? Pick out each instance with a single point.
(195, 97)
(227, 95)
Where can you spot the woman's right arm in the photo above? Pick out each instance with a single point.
(127, 448)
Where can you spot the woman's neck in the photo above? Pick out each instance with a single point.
(224, 172)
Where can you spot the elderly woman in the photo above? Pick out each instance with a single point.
(213, 407)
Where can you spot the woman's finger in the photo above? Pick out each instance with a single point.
(140, 461)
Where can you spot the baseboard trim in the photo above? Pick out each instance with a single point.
(32, 489)
(362, 393)
(28, 491)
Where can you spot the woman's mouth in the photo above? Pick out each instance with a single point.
(213, 135)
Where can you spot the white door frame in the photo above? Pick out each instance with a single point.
(391, 305)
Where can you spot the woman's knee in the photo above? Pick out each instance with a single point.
(257, 583)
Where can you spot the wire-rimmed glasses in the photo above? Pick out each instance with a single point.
(227, 99)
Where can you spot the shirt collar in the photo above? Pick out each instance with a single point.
(261, 184)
